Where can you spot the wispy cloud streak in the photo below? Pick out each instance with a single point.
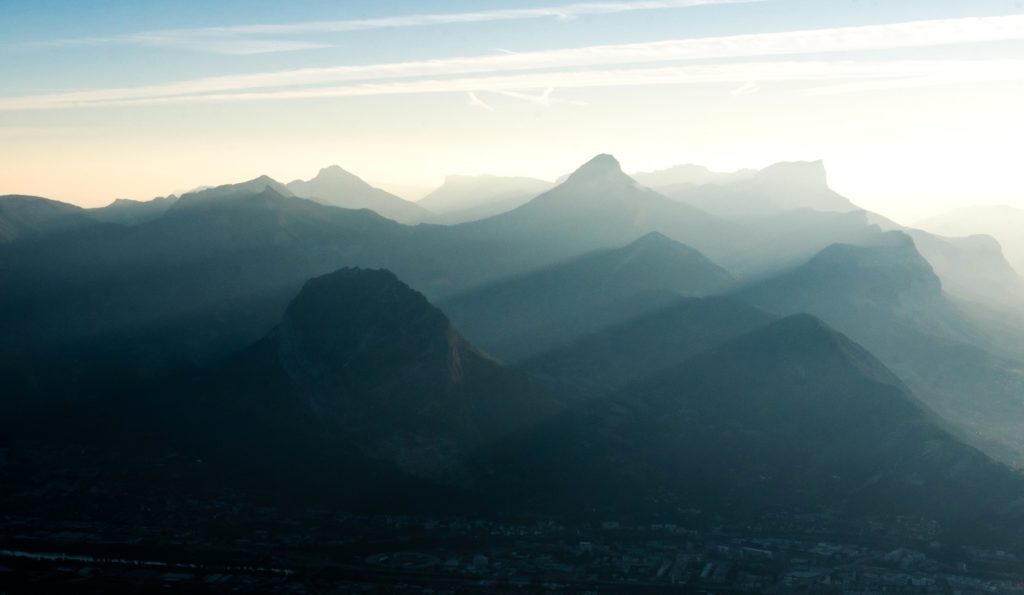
(249, 39)
(478, 103)
(555, 65)
(881, 74)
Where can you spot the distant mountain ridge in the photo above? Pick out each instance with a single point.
(691, 174)
(333, 186)
(887, 297)
(132, 212)
(530, 313)
(24, 217)
(1003, 222)
(782, 186)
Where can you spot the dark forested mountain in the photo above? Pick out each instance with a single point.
(530, 313)
(131, 212)
(26, 217)
(211, 275)
(365, 396)
(887, 297)
(469, 198)
(336, 187)
(362, 383)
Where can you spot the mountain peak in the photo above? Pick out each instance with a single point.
(654, 239)
(358, 326)
(336, 172)
(336, 187)
(602, 168)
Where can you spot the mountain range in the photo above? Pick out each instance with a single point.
(748, 344)
(363, 384)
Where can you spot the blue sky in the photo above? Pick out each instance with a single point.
(913, 104)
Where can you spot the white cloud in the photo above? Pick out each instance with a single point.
(545, 99)
(478, 103)
(746, 88)
(856, 73)
(246, 39)
(360, 79)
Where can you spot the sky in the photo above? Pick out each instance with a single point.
(914, 105)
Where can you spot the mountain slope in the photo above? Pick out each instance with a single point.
(973, 269)
(782, 186)
(211, 275)
(386, 370)
(792, 416)
(131, 212)
(530, 313)
(598, 206)
(24, 217)
(609, 359)
(228, 193)
(469, 198)
(689, 174)
(364, 397)
(336, 187)
(999, 221)
(886, 297)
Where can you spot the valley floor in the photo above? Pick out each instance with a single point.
(258, 551)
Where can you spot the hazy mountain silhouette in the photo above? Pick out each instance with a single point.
(211, 275)
(228, 193)
(469, 198)
(690, 175)
(598, 206)
(1002, 222)
(527, 314)
(791, 212)
(336, 187)
(973, 268)
(131, 212)
(779, 187)
(887, 297)
(604, 361)
(25, 217)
